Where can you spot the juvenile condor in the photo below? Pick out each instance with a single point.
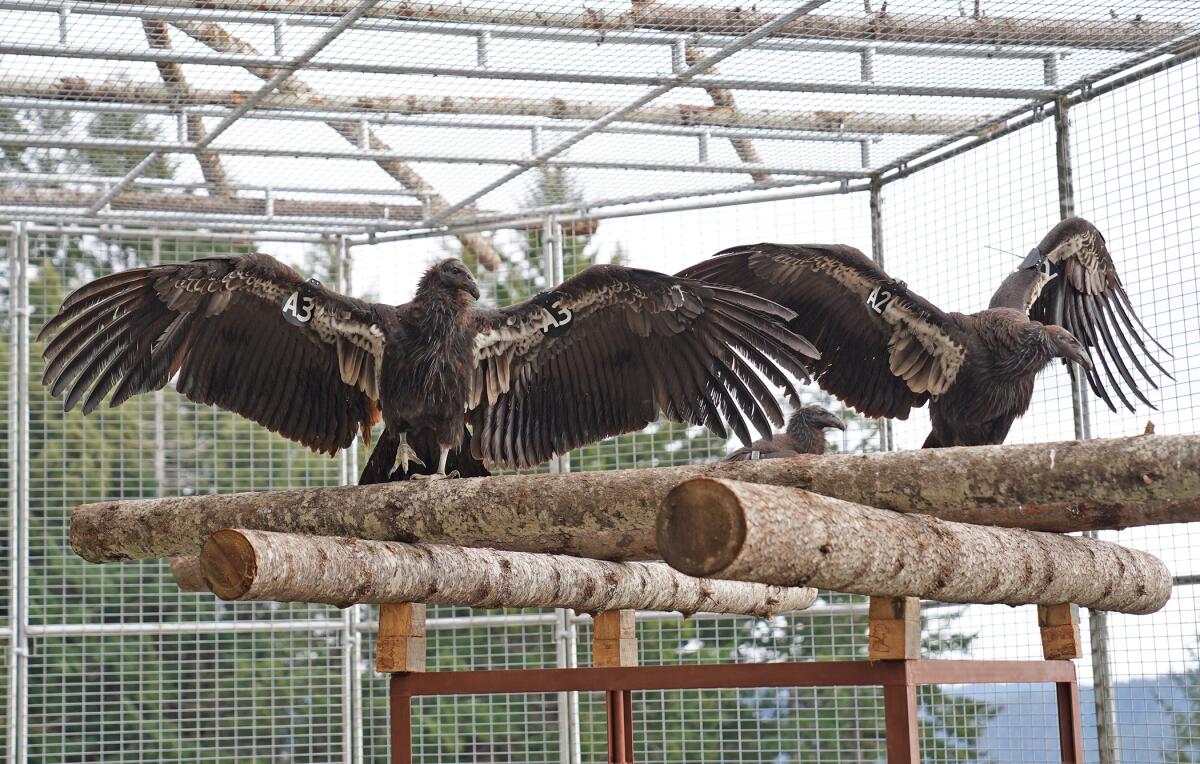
(805, 434)
(885, 349)
(601, 354)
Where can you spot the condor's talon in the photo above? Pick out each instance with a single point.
(436, 476)
(404, 456)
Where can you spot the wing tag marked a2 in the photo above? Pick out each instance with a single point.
(298, 307)
(878, 299)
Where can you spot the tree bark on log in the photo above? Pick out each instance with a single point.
(476, 249)
(789, 537)
(1116, 34)
(1069, 486)
(676, 115)
(289, 567)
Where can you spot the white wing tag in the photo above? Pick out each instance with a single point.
(298, 307)
(878, 299)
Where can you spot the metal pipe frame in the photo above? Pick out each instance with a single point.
(678, 80)
(285, 70)
(248, 227)
(17, 702)
(898, 678)
(156, 148)
(394, 119)
(844, 187)
(508, 31)
(1180, 50)
(113, 231)
(535, 75)
(54, 179)
(1184, 49)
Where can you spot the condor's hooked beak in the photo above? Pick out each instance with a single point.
(1079, 356)
(473, 288)
(830, 419)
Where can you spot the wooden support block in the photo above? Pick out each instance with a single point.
(401, 642)
(894, 628)
(1059, 625)
(614, 639)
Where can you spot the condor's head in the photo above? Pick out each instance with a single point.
(1067, 347)
(450, 275)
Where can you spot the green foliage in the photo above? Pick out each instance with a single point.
(1184, 747)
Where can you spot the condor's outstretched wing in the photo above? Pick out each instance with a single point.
(1069, 279)
(246, 333)
(608, 349)
(883, 349)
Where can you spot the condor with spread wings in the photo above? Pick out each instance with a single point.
(601, 354)
(885, 349)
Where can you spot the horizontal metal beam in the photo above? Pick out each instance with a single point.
(592, 215)
(225, 207)
(979, 31)
(50, 216)
(590, 206)
(278, 18)
(833, 122)
(59, 179)
(141, 232)
(535, 75)
(375, 119)
(163, 147)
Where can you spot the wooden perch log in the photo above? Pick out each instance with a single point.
(188, 575)
(155, 94)
(1118, 34)
(288, 567)
(790, 537)
(1070, 486)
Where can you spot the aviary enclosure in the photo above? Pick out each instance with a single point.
(360, 140)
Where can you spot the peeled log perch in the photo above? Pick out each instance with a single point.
(790, 537)
(1072, 486)
(288, 567)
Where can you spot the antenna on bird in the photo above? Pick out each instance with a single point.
(1005, 251)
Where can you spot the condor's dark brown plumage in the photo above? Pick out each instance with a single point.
(885, 350)
(805, 434)
(602, 354)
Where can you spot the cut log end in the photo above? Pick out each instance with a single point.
(230, 564)
(715, 522)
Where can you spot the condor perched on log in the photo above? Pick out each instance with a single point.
(601, 354)
(805, 434)
(885, 350)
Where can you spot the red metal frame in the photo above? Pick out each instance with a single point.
(899, 680)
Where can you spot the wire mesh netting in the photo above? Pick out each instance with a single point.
(367, 139)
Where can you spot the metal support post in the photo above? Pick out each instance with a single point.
(570, 749)
(1102, 681)
(875, 194)
(352, 716)
(160, 433)
(18, 489)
